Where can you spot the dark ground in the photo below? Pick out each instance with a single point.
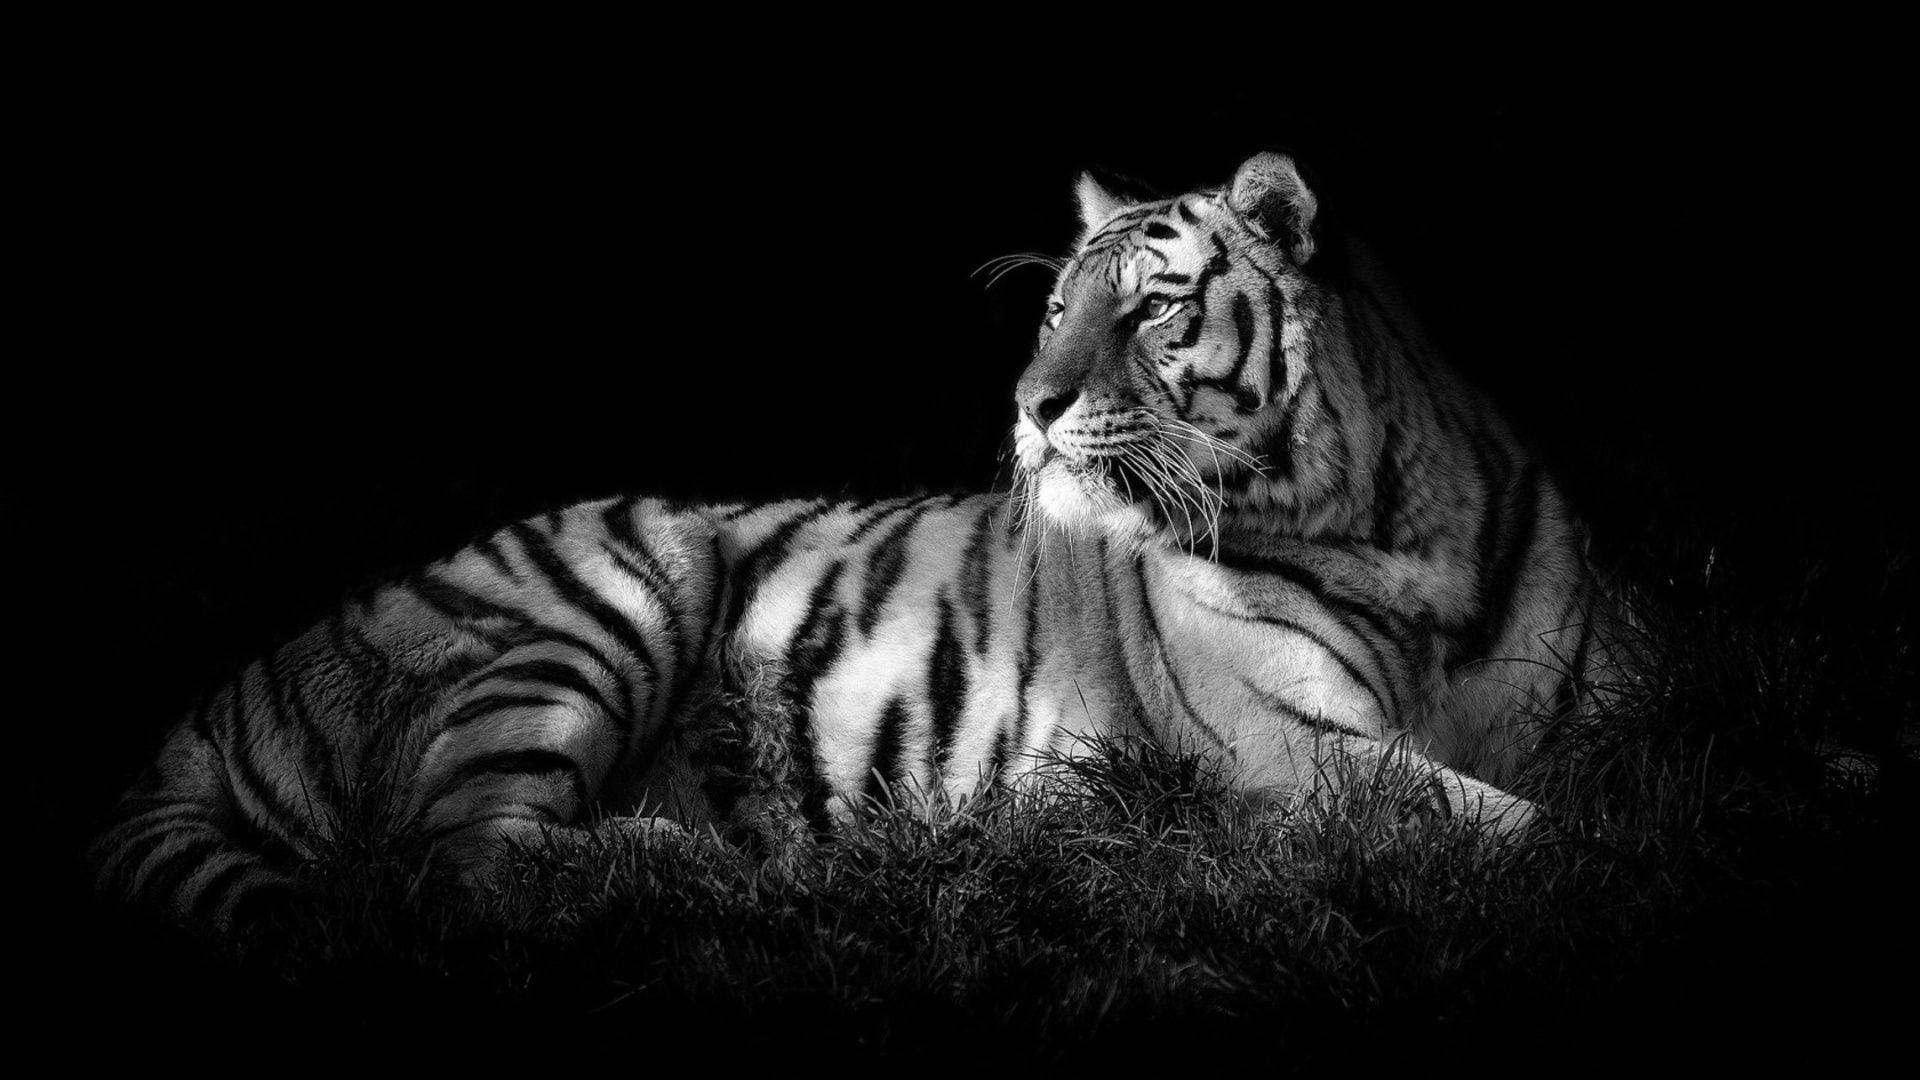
(322, 313)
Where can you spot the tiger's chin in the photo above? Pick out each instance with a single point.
(1084, 499)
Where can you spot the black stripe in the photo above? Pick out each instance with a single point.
(457, 665)
(128, 854)
(318, 748)
(639, 562)
(534, 633)
(275, 814)
(1280, 448)
(872, 520)
(1160, 649)
(1186, 215)
(1221, 261)
(1243, 327)
(215, 889)
(1313, 720)
(885, 565)
(946, 685)
(178, 865)
(997, 763)
(487, 704)
(573, 592)
(1118, 226)
(642, 568)
(1172, 279)
(553, 673)
(1276, 342)
(821, 606)
(1382, 623)
(1184, 388)
(1519, 515)
(170, 812)
(1029, 662)
(976, 578)
(490, 550)
(1109, 602)
(747, 571)
(642, 757)
(636, 558)
(884, 764)
(1158, 230)
(816, 646)
(617, 518)
(1196, 322)
(455, 603)
(1353, 670)
(1344, 611)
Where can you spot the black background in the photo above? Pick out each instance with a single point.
(319, 310)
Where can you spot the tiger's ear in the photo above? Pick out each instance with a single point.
(1270, 196)
(1097, 204)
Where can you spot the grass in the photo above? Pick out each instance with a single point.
(1721, 849)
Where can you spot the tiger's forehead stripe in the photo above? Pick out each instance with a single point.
(1120, 250)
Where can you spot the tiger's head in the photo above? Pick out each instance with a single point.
(1174, 342)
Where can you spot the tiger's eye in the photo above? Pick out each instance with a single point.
(1155, 307)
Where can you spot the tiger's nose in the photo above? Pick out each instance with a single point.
(1048, 404)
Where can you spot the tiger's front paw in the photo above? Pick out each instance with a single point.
(646, 830)
(1501, 815)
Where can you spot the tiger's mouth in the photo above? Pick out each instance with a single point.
(1147, 480)
(1142, 492)
(1105, 476)
(1091, 493)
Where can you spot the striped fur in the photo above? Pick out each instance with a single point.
(1255, 519)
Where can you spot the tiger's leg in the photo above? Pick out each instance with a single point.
(1300, 680)
(579, 700)
(523, 745)
(1290, 762)
(528, 772)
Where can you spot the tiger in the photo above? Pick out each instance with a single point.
(1254, 517)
